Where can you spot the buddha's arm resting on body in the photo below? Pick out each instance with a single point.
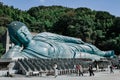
(59, 38)
(66, 39)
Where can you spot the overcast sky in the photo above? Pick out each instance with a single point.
(111, 6)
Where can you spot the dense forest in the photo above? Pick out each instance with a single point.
(96, 27)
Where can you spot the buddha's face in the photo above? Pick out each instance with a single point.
(24, 35)
(19, 33)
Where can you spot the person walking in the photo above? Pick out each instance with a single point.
(111, 69)
(77, 69)
(55, 70)
(81, 70)
(91, 70)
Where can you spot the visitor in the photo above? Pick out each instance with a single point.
(81, 70)
(55, 70)
(78, 69)
(91, 70)
(8, 74)
(96, 65)
(111, 69)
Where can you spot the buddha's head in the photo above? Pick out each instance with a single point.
(19, 33)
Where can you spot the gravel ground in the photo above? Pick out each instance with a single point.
(98, 76)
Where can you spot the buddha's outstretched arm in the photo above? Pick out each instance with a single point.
(60, 38)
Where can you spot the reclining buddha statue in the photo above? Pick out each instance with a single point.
(48, 45)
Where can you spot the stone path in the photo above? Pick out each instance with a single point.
(98, 76)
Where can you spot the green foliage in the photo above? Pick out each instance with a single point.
(97, 27)
(2, 50)
(2, 30)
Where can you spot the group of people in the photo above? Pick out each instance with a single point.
(79, 70)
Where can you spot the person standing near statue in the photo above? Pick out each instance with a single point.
(91, 70)
(78, 69)
(8, 74)
(111, 69)
(81, 70)
(55, 70)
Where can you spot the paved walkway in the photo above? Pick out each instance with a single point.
(98, 76)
